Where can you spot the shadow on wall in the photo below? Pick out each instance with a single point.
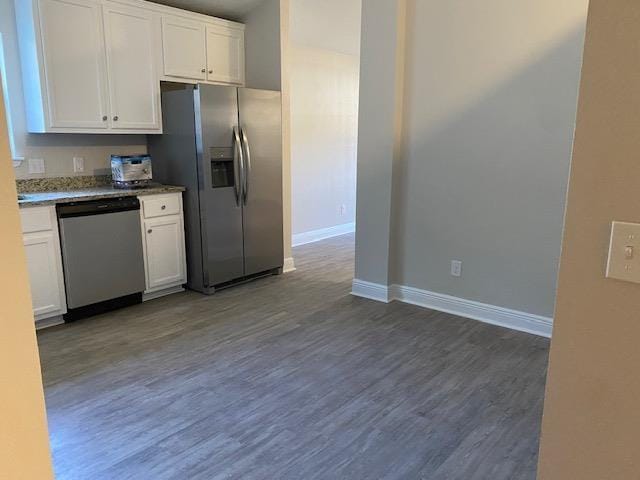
(488, 185)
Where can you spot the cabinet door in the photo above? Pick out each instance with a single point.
(74, 63)
(164, 250)
(45, 276)
(134, 88)
(184, 48)
(225, 55)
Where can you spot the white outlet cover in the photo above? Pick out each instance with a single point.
(456, 268)
(78, 164)
(36, 165)
(624, 252)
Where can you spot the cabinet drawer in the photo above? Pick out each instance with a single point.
(159, 206)
(37, 219)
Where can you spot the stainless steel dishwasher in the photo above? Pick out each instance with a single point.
(101, 255)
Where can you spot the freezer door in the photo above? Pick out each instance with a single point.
(260, 123)
(219, 173)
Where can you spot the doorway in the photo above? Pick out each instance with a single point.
(324, 82)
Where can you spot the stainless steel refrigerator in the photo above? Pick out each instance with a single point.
(224, 144)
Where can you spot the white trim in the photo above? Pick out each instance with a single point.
(494, 315)
(323, 233)
(162, 293)
(372, 291)
(504, 317)
(49, 322)
(289, 265)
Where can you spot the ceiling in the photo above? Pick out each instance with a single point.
(229, 9)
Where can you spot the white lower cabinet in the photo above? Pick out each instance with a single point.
(44, 261)
(163, 244)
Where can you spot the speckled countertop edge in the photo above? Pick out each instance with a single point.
(62, 184)
(34, 199)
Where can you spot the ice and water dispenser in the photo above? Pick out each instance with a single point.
(222, 167)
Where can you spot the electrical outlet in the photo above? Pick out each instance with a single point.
(343, 209)
(78, 164)
(36, 165)
(456, 268)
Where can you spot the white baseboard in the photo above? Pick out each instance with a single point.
(289, 265)
(372, 291)
(162, 293)
(49, 322)
(322, 234)
(494, 315)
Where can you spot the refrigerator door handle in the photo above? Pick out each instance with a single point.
(247, 173)
(238, 164)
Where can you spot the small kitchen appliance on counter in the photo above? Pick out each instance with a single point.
(131, 171)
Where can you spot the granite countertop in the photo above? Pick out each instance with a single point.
(33, 199)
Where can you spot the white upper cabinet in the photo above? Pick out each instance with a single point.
(73, 71)
(184, 48)
(134, 89)
(196, 51)
(225, 55)
(95, 66)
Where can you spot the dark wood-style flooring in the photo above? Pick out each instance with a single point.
(291, 377)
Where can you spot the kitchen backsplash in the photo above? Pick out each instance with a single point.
(58, 151)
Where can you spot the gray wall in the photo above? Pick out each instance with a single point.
(262, 46)
(489, 112)
(379, 133)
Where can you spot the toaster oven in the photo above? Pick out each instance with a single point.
(131, 171)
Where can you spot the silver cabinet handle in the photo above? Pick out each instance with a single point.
(238, 164)
(247, 173)
(163, 207)
(149, 231)
(104, 118)
(115, 119)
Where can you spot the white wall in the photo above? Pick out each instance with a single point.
(324, 76)
(57, 150)
(332, 25)
(488, 115)
(324, 108)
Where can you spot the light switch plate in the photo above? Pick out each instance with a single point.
(624, 252)
(36, 165)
